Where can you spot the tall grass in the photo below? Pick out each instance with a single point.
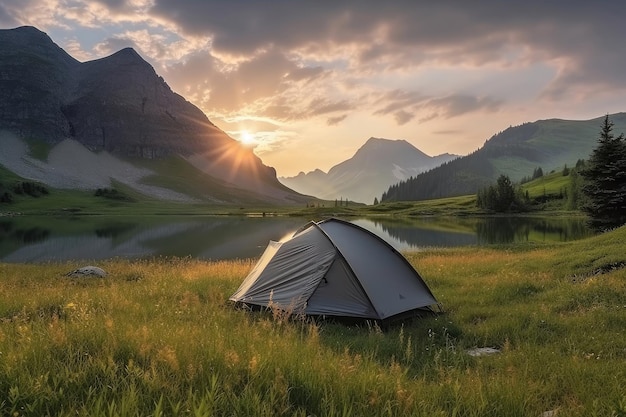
(158, 338)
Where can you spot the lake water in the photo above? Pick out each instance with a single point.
(41, 239)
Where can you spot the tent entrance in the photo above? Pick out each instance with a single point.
(340, 294)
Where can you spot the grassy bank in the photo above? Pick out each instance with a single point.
(158, 338)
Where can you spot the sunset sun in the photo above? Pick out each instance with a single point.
(247, 138)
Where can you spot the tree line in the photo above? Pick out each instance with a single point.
(29, 188)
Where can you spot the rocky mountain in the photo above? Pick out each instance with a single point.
(375, 166)
(120, 109)
(516, 152)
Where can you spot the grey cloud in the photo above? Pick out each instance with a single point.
(306, 73)
(456, 105)
(447, 132)
(15, 13)
(406, 32)
(114, 4)
(429, 117)
(112, 45)
(333, 121)
(397, 100)
(285, 109)
(402, 117)
(261, 78)
(243, 27)
(280, 111)
(323, 106)
(6, 18)
(403, 105)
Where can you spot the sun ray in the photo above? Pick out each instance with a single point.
(247, 138)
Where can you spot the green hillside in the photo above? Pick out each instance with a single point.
(176, 174)
(555, 143)
(515, 152)
(552, 184)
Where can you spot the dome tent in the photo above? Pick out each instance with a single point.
(335, 268)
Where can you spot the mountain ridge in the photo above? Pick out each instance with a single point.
(118, 104)
(376, 165)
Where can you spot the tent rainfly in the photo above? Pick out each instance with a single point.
(336, 268)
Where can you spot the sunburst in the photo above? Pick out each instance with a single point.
(246, 138)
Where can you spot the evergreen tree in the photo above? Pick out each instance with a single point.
(605, 180)
(505, 193)
(574, 190)
(501, 197)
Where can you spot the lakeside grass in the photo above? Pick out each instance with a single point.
(158, 338)
(75, 202)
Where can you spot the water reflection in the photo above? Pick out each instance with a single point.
(100, 238)
(411, 234)
(34, 239)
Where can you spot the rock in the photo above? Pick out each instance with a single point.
(88, 271)
(483, 351)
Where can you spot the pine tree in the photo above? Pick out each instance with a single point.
(605, 180)
(501, 197)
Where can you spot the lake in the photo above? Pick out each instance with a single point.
(42, 239)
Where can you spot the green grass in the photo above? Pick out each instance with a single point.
(38, 149)
(177, 174)
(172, 172)
(552, 184)
(157, 337)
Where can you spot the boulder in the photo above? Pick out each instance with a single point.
(88, 271)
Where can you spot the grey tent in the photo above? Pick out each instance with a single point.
(335, 268)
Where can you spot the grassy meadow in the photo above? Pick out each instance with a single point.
(159, 338)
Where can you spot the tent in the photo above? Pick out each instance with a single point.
(335, 268)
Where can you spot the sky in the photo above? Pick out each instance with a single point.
(307, 82)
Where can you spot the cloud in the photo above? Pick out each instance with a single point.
(6, 17)
(581, 41)
(255, 83)
(402, 117)
(114, 44)
(402, 34)
(249, 124)
(333, 121)
(447, 132)
(305, 73)
(398, 100)
(320, 106)
(456, 105)
(404, 105)
(407, 62)
(38, 13)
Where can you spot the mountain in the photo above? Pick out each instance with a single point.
(515, 152)
(374, 167)
(117, 111)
